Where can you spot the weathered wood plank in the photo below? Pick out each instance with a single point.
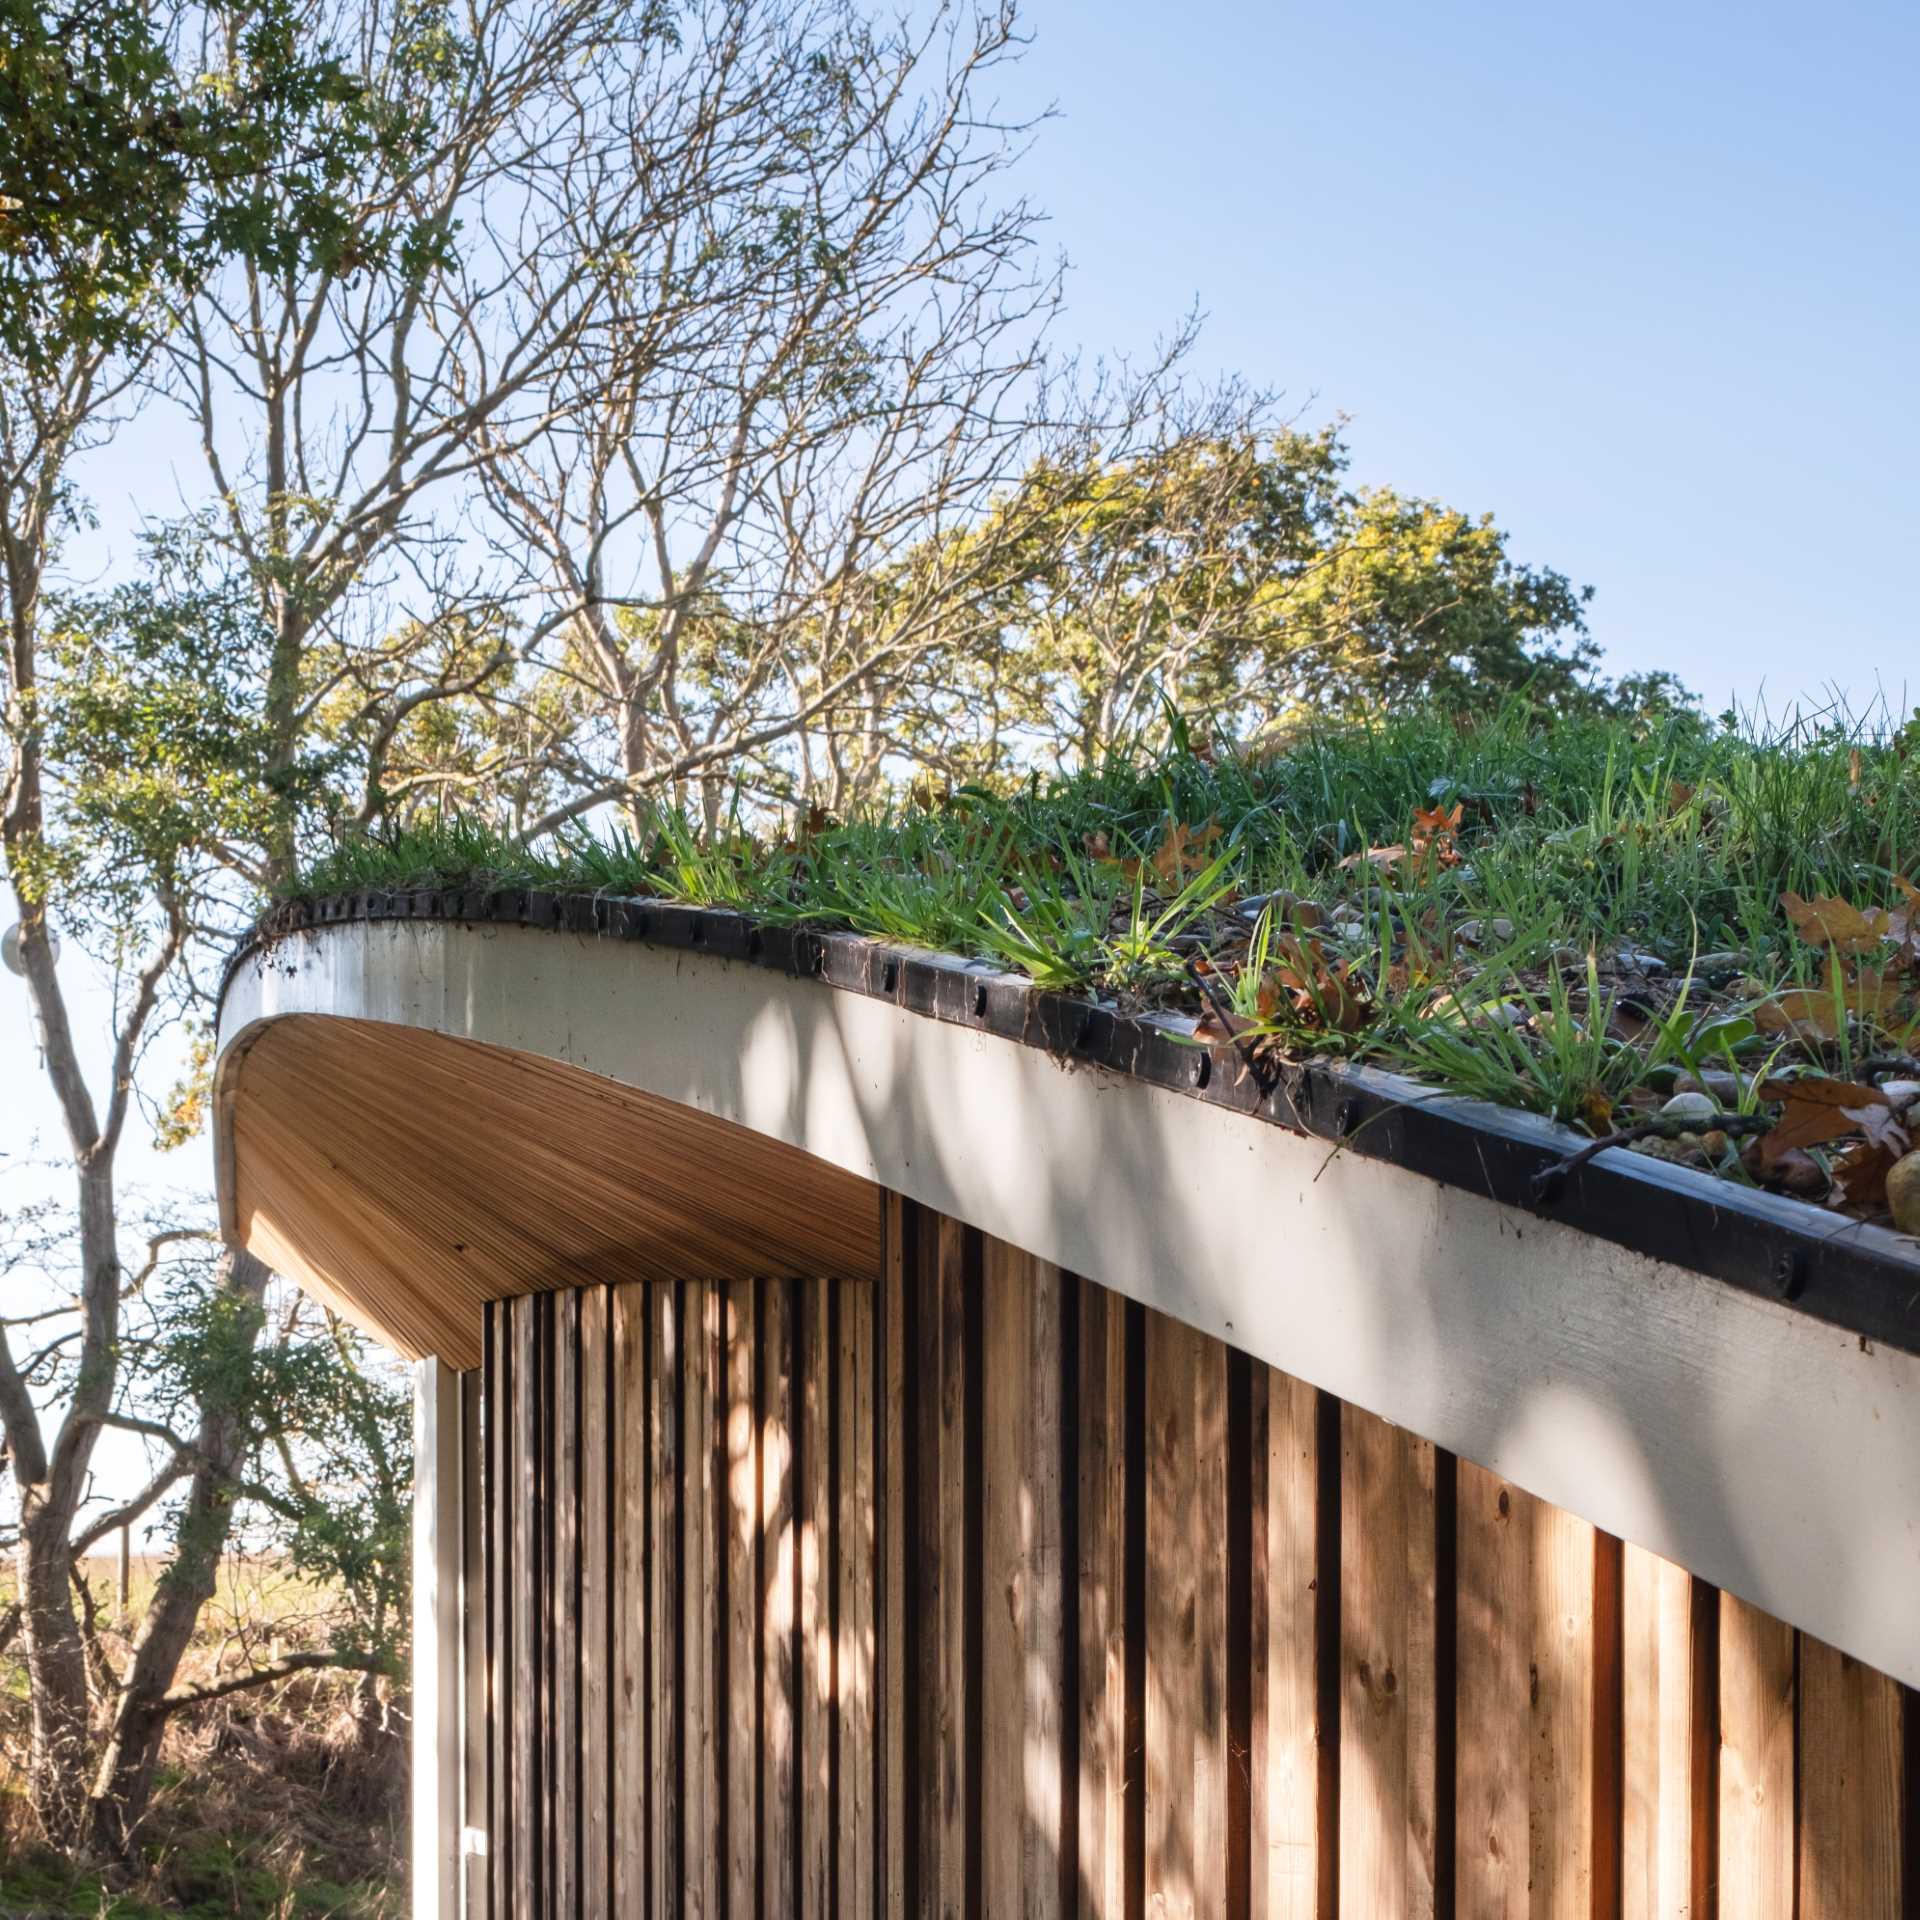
(1852, 1774)
(1207, 1526)
(1186, 1702)
(1284, 1668)
(742, 1624)
(779, 1625)
(529, 1569)
(856, 1546)
(632, 1688)
(1495, 1626)
(703, 1705)
(1756, 1763)
(1387, 1669)
(596, 1596)
(1562, 1754)
(1420, 1685)
(545, 1509)
(957, 1251)
(1023, 1676)
(563, 1574)
(1102, 1547)
(815, 1677)
(898, 1653)
(935, 1698)
(1007, 1399)
(500, 1590)
(664, 1571)
(1658, 1716)
(1172, 1865)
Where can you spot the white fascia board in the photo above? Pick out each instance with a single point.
(1772, 1454)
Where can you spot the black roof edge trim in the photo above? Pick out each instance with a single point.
(1861, 1278)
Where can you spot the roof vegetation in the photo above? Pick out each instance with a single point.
(1700, 936)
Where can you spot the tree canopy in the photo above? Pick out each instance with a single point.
(148, 143)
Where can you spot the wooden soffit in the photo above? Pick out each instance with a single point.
(408, 1177)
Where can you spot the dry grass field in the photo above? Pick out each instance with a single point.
(286, 1801)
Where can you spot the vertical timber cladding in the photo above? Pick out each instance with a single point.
(984, 1592)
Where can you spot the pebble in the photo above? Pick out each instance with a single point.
(1639, 960)
(1903, 1193)
(1901, 1094)
(1472, 932)
(1720, 963)
(1282, 902)
(1725, 1087)
(1797, 1172)
(1691, 1106)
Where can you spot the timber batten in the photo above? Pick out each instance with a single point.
(1029, 1645)
(407, 1179)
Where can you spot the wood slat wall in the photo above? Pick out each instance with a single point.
(981, 1591)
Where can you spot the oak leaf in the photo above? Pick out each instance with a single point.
(1334, 997)
(1384, 858)
(1815, 1110)
(1816, 1013)
(1829, 921)
(1182, 852)
(1860, 1175)
(1434, 831)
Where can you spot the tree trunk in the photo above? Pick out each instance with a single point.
(50, 1493)
(124, 1781)
(56, 1670)
(370, 1716)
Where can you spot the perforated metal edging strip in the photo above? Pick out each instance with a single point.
(1863, 1278)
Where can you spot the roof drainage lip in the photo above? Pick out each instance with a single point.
(1860, 1278)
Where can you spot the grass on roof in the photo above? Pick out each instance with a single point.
(1582, 917)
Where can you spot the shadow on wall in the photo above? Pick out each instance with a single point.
(985, 1591)
(1501, 1694)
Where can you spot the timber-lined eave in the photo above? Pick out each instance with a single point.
(1848, 1274)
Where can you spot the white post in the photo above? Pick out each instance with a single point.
(436, 1641)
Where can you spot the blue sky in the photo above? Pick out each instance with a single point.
(1644, 281)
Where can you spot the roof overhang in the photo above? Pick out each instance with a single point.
(1687, 1408)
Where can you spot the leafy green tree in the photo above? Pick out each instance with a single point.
(1236, 576)
(263, 1419)
(225, 220)
(149, 142)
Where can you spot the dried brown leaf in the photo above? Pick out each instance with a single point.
(1829, 921)
(1183, 851)
(1860, 1175)
(1815, 1013)
(1815, 1110)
